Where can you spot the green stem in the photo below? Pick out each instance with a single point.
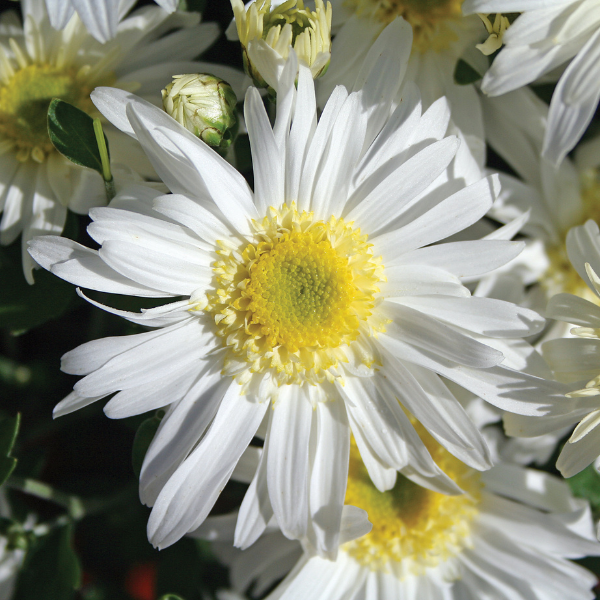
(76, 507)
(109, 182)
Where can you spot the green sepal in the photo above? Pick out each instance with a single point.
(72, 132)
(51, 570)
(9, 429)
(170, 597)
(465, 74)
(143, 438)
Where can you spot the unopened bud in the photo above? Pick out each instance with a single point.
(289, 25)
(204, 105)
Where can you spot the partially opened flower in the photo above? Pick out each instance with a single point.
(511, 537)
(268, 31)
(556, 199)
(37, 184)
(546, 36)
(101, 17)
(318, 304)
(575, 360)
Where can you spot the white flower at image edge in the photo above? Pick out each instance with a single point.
(574, 360)
(101, 17)
(38, 63)
(322, 297)
(511, 537)
(547, 35)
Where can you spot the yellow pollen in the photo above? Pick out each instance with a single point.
(295, 298)
(433, 21)
(24, 101)
(413, 527)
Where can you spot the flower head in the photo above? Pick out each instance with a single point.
(424, 545)
(39, 63)
(317, 304)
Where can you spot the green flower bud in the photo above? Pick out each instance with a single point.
(204, 105)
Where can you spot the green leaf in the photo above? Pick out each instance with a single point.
(72, 132)
(170, 597)
(143, 438)
(24, 306)
(9, 428)
(51, 570)
(465, 74)
(586, 484)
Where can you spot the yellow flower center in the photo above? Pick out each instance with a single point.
(24, 101)
(413, 527)
(291, 301)
(433, 21)
(560, 275)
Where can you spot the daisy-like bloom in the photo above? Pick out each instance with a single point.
(547, 35)
(575, 360)
(441, 36)
(509, 537)
(268, 31)
(556, 199)
(37, 184)
(317, 304)
(101, 17)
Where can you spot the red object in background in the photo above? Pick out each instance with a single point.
(141, 581)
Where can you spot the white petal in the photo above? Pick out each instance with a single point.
(329, 475)
(59, 12)
(179, 431)
(267, 159)
(574, 102)
(287, 467)
(464, 259)
(190, 493)
(384, 196)
(464, 208)
(100, 17)
(80, 265)
(419, 329)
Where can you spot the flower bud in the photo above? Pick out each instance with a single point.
(289, 25)
(204, 105)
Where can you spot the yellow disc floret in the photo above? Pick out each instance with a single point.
(413, 527)
(295, 298)
(433, 21)
(25, 94)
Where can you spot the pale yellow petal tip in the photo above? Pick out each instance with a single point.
(496, 31)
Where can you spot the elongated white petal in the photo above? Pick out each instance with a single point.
(190, 493)
(287, 467)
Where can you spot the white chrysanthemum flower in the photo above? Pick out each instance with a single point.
(575, 360)
(38, 63)
(101, 17)
(323, 294)
(269, 29)
(547, 35)
(441, 36)
(510, 537)
(556, 199)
